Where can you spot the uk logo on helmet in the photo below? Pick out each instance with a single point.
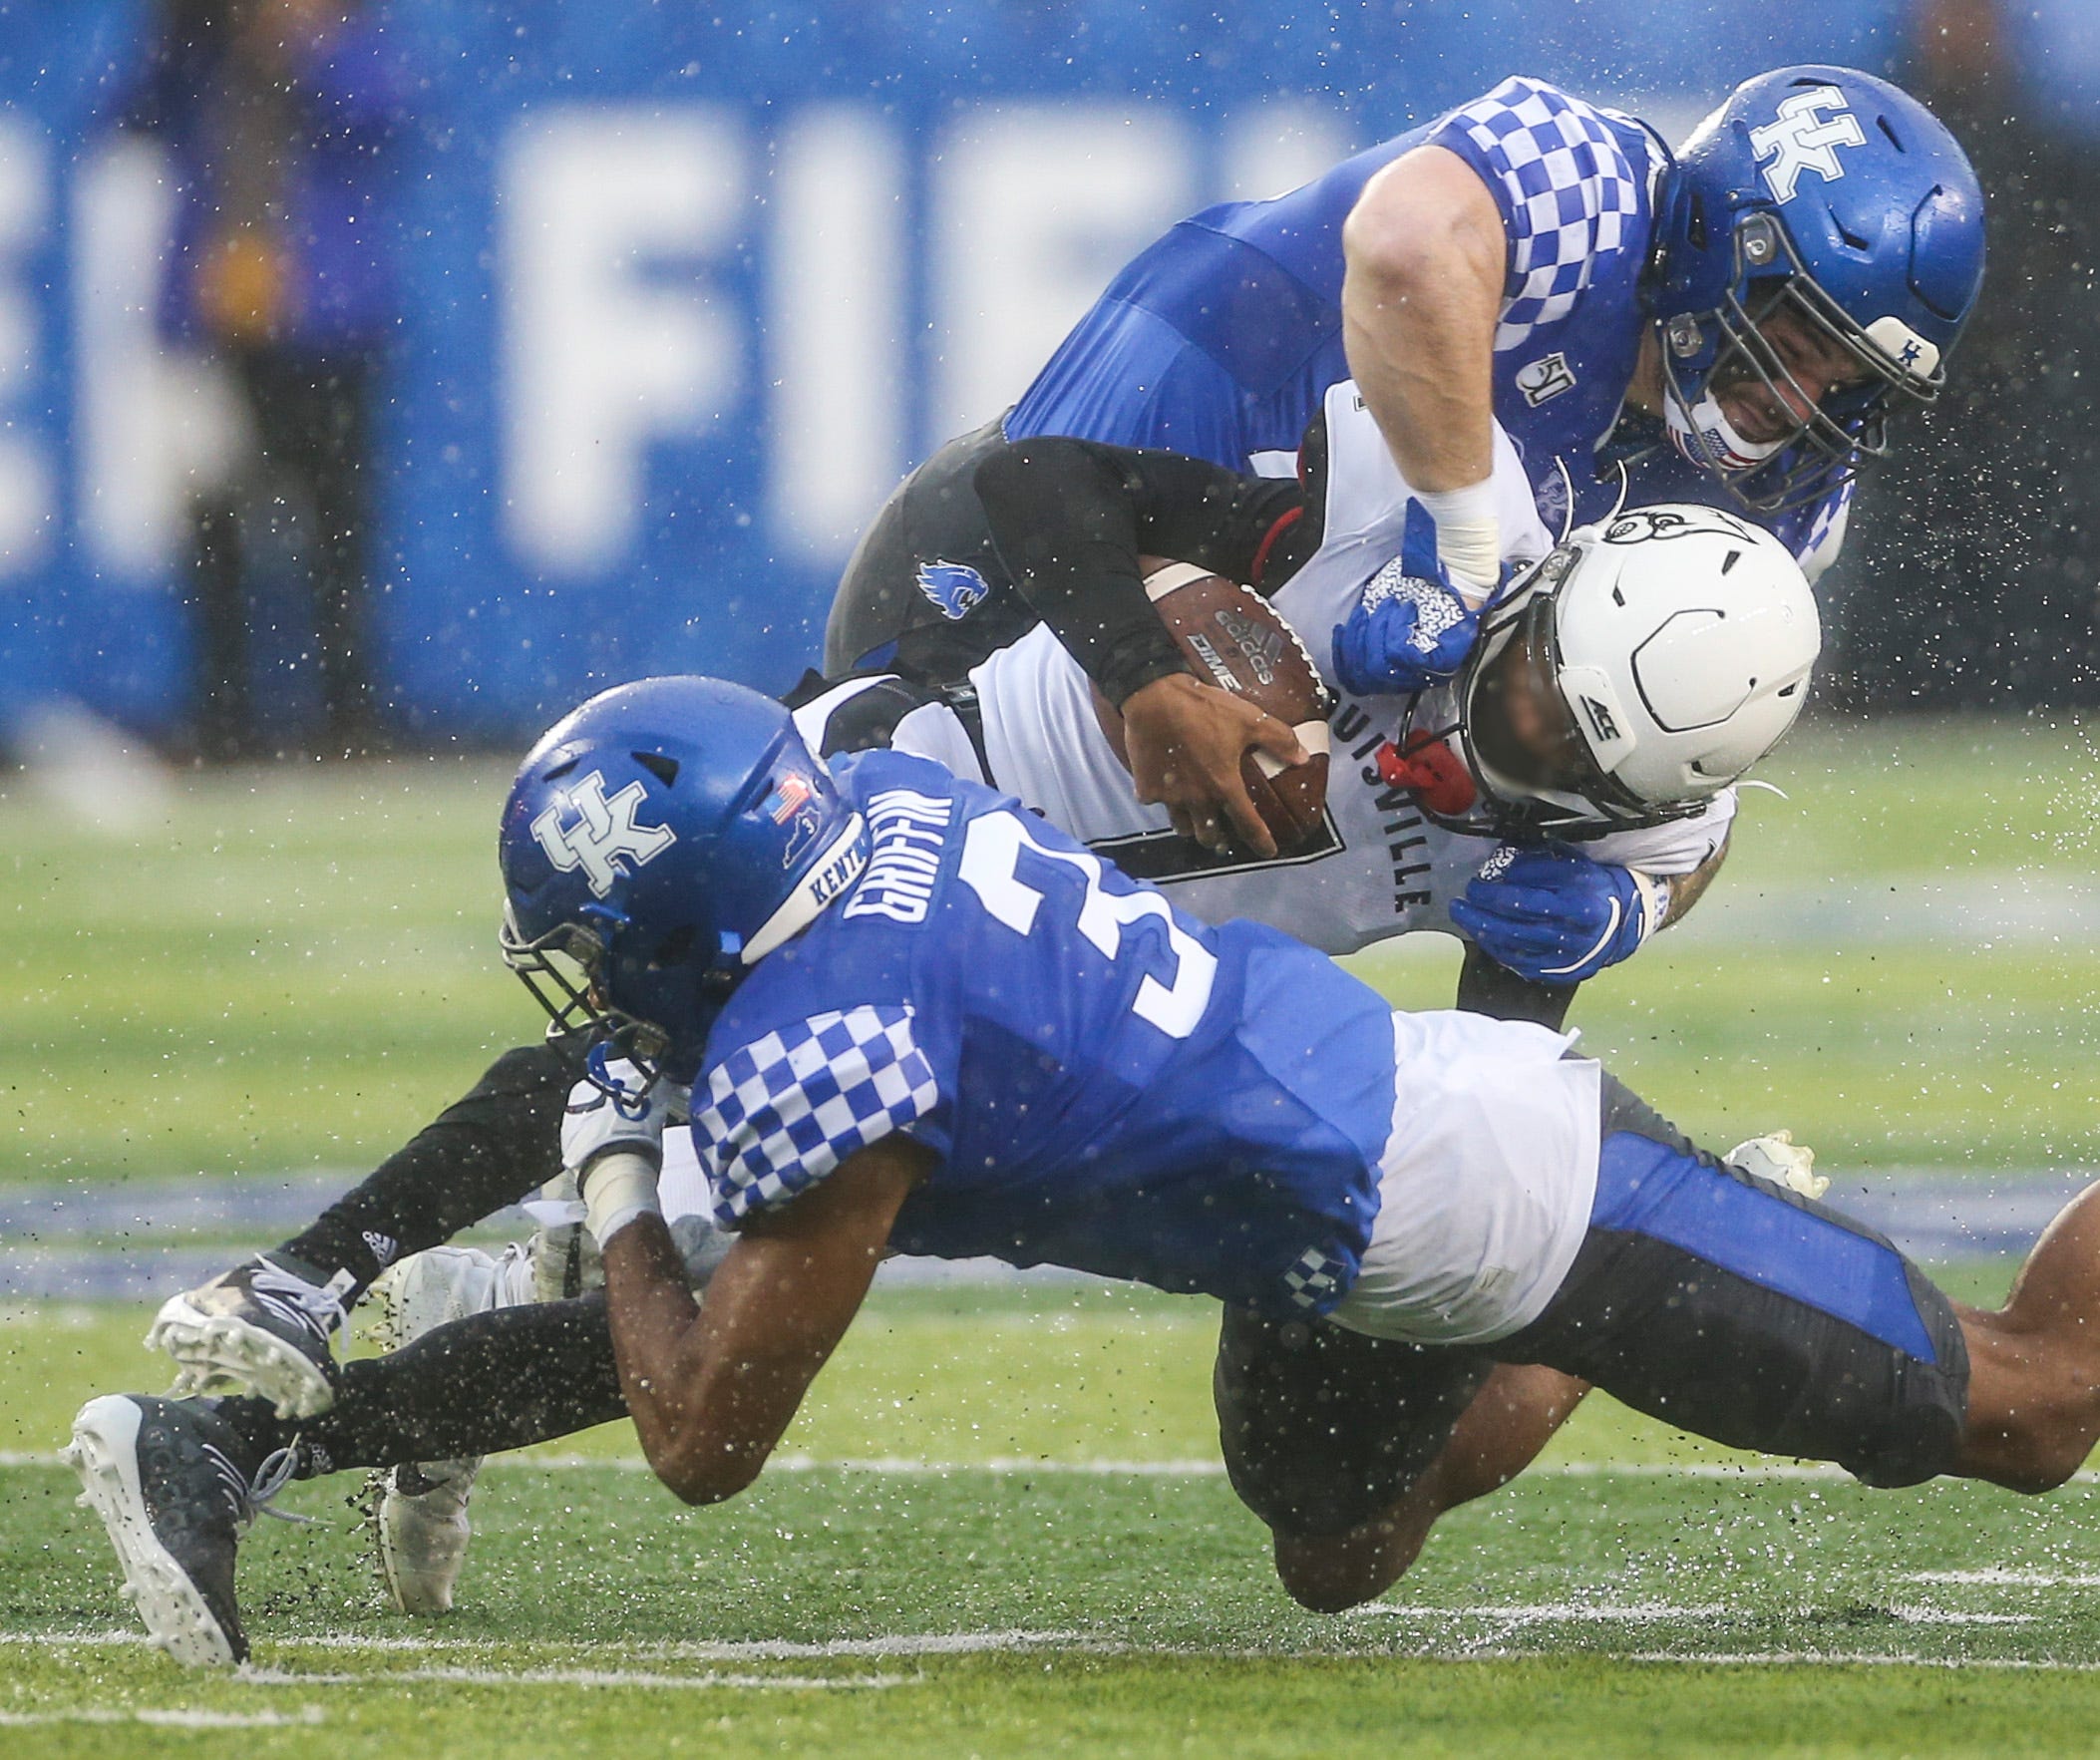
(603, 836)
(1799, 138)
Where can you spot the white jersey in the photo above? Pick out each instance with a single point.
(1382, 867)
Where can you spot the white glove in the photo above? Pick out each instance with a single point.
(596, 1124)
(1779, 1159)
(614, 1146)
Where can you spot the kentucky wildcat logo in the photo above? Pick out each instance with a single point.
(955, 588)
(603, 836)
(1798, 140)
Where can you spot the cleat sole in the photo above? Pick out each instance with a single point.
(105, 1444)
(217, 1354)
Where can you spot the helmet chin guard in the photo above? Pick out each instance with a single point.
(1663, 653)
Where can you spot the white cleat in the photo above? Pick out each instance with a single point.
(1779, 1159)
(259, 1329)
(421, 1526)
(421, 1530)
(165, 1479)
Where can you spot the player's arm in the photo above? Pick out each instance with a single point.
(1553, 915)
(1425, 256)
(1687, 888)
(1071, 519)
(713, 1385)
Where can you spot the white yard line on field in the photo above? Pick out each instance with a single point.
(1018, 1466)
(2000, 1578)
(176, 1719)
(1829, 1659)
(876, 1647)
(597, 1678)
(1489, 1648)
(1544, 1612)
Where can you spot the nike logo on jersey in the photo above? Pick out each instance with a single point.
(604, 835)
(1801, 140)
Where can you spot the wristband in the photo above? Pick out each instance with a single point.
(1654, 892)
(619, 1188)
(1469, 538)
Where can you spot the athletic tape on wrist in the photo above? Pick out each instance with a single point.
(617, 1188)
(1469, 538)
(1654, 900)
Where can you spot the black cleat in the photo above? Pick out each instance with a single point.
(261, 1329)
(165, 1478)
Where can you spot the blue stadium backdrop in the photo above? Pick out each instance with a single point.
(685, 296)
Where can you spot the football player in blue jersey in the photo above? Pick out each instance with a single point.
(1735, 322)
(905, 1014)
(1651, 802)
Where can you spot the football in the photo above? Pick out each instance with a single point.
(1235, 639)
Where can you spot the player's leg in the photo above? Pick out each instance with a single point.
(2034, 1364)
(1743, 1311)
(419, 1521)
(421, 1526)
(1349, 1448)
(1500, 1434)
(267, 1327)
(176, 1482)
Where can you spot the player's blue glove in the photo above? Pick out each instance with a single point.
(1409, 628)
(1556, 916)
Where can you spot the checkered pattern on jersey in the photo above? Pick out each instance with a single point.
(1567, 192)
(1826, 533)
(1314, 1279)
(786, 1109)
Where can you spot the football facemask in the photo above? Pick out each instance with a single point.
(563, 971)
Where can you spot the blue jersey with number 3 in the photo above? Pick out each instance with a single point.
(1110, 1085)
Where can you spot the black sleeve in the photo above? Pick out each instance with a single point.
(1070, 518)
(1487, 988)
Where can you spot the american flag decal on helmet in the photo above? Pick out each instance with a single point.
(790, 794)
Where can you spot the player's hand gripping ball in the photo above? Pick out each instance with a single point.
(1409, 628)
(1556, 916)
(1249, 754)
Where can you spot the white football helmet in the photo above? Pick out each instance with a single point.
(1641, 667)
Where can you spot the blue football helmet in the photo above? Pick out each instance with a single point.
(658, 842)
(1829, 194)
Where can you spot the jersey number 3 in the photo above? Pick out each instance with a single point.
(992, 851)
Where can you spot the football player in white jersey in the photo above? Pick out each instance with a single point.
(1399, 851)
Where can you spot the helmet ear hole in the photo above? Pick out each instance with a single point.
(673, 948)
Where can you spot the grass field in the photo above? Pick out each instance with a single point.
(299, 965)
(1003, 1529)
